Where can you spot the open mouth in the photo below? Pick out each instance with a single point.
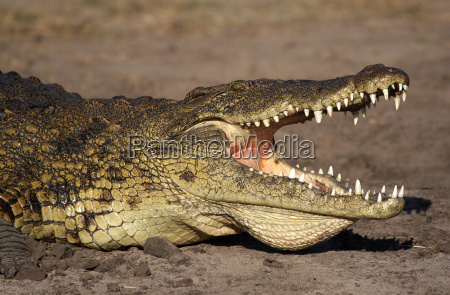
(255, 147)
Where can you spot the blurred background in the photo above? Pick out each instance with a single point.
(163, 48)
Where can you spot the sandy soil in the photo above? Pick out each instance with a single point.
(166, 48)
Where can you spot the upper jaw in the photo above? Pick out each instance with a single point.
(355, 102)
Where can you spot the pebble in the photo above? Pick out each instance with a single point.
(142, 270)
(272, 263)
(60, 251)
(110, 265)
(113, 287)
(85, 263)
(160, 247)
(30, 272)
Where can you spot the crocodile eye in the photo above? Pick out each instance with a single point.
(237, 87)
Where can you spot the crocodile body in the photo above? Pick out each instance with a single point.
(94, 172)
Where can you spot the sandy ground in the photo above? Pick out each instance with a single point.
(166, 48)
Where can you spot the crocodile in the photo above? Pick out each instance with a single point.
(110, 173)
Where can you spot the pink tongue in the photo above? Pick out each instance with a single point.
(264, 161)
(250, 157)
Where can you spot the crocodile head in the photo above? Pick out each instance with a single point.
(233, 165)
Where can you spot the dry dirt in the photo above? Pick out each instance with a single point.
(166, 48)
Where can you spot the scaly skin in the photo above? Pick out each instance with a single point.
(80, 171)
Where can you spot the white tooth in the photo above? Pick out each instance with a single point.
(373, 98)
(298, 166)
(351, 96)
(257, 123)
(320, 171)
(386, 94)
(251, 169)
(276, 119)
(361, 94)
(330, 171)
(346, 185)
(367, 197)
(285, 113)
(271, 174)
(312, 171)
(379, 198)
(358, 187)
(402, 190)
(350, 191)
(290, 108)
(405, 87)
(318, 115)
(394, 193)
(338, 105)
(363, 112)
(404, 95)
(242, 124)
(400, 86)
(306, 112)
(297, 109)
(333, 192)
(338, 178)
(383, 189)
(355, 117)
(330, 111)
(362, 192)
(346, 102)
(281, 174)
(304, 169)
(260, 172)
(310, 186)
(393, 86)
(292, 173)
(248, 124)
(266, 122)
(302, 178)
(397, 101)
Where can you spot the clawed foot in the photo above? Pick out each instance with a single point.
(14, 253)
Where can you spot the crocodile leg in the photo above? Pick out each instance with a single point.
(13, 250)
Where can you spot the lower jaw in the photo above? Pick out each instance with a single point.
(273, 166)
(286, 229)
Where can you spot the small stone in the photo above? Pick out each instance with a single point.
(60, 272)
(113, 287)
(39, 251)
(109, 265)
(202, 248)
(179, 259)
(48, 264)
(183, 282)
(160, 247)
(87, 277)
(272, 263)
(62, 265)
(444, 247)
(85, 263)
(142, 270)
(30, 271)
(60, 251)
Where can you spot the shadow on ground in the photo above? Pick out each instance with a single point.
(345, 241)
